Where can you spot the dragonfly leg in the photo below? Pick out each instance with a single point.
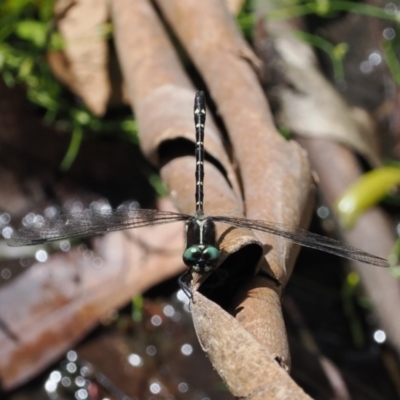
(184, 283)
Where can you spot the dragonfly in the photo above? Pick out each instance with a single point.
(201, 254)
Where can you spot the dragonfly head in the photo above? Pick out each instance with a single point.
(201, 258)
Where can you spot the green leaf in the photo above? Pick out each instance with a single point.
(367, 191)
(73, 149)
(13, 7)
(33, 31)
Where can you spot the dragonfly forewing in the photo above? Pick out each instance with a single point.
(89, 222)
(306, 238)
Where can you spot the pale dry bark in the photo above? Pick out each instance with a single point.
(275, 173)
(86, 52)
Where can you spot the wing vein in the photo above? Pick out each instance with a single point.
(307, 239)
(89, 222)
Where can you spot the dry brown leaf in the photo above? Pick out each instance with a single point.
(163, 100)
(246, 366)
(159, 89)
(275, 173)
(85, 52)
(234, 6)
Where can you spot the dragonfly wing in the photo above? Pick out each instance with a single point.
(307, 239)
(89, 222)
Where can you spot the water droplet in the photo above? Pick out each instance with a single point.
(375, 58)
(186, 349)
(135, 360)
(151, 350)
(105, 207)
(72, 356)
(71, 367)
(55, 376)
(65, 381)
(156, 320)
(5, 273)
(51, 211)
(41, 255)
(168, 310)
(76, 207)
(323, 212)
(155, 388)
(183, 387)
(389, 33)
(390, 8)
(81, 394)
(28, 219)
(379, 336)
(25, 262)
(134, 205)
(85, 371)
(5, 218)
(7, 232)
(65, 245)
(80, 381)
(365, 67)
(50, 386)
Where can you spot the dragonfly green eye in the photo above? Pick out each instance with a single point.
(192, 254)
(211, 253)
(204, 254)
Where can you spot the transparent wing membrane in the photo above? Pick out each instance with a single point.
(89, 222)
(307, 239)
(92, 222)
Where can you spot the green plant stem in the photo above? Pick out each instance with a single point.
(73, 148)
(313, 8)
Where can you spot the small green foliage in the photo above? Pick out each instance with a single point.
(371, 188)
(73, 149)
(394, 259)
(24, 40)
(350, 291)
(328, 9)
(336, 53)
(137, 308)
(285, 132)
(32, 31)
(27, 35)
(390, 50)
(246, 19)
(158, 185)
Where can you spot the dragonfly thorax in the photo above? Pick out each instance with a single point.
(201, 252)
